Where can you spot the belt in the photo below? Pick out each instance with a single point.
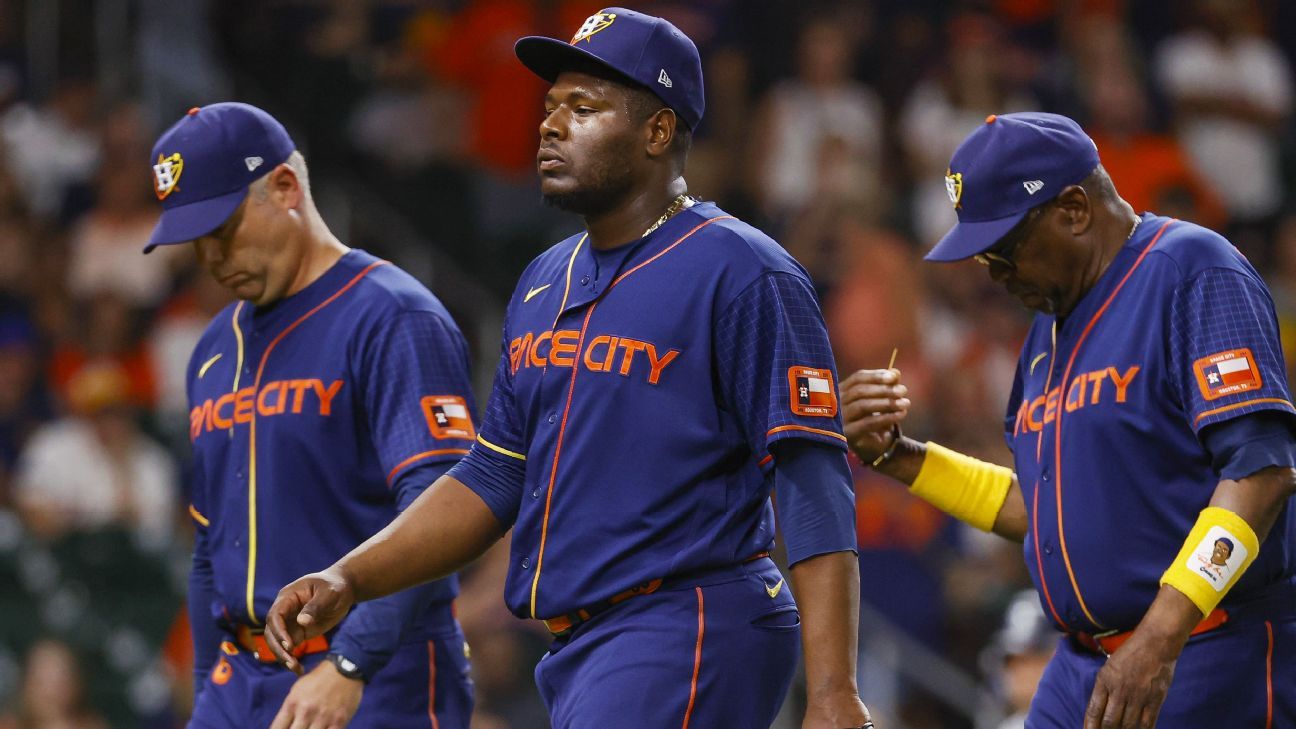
(1111, 641)
(253, 641)
(563, 625)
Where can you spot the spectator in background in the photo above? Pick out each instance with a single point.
(170, 342)
(962, 90)
(52, 148)
(822, 108)
(1232, 92)
(106, 331)
(104, 246)
(1015, 660)
(1151, 169)
(24, 401)
(95, 469)
(52, 693)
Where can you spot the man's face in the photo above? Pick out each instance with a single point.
(248, 254)
(1221, 553)
(1031, 261)
(590, 148)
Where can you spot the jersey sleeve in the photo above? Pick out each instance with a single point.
(417, 395)
(495, 469)
(1225, 356)
(774, 365)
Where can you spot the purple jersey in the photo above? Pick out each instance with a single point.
(1106, 417)
(638, 395)
(305, 416)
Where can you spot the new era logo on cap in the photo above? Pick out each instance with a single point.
(218, 150)
(663, 79)
(1004, 168)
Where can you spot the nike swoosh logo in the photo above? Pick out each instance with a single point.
(207, 365)
(1036, 361)
(774, 591)
(531, 294)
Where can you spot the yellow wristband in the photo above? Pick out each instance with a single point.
(962, 486)
(1218, 550)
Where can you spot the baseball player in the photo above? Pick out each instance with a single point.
(660, 374)
(323, 403)
(1151, 429)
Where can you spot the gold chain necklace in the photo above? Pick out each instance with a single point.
(681, 202)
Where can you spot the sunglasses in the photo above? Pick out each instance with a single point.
(1002, 252)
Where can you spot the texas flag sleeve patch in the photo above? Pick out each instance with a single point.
(448, 417)
(1227, 373)
(813, 392)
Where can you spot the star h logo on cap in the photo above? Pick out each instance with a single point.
(954, 188)
(592, 25)
(166, 174)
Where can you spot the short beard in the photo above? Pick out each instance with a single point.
(607, 188)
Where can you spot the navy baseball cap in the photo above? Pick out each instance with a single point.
(1007, 166)
(645, 49)
(203, 164)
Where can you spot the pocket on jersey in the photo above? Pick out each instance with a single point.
(782, 619)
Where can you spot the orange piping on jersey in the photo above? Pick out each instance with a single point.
(198, 517)
(1269, 677)
(1057, 426)
(782, 428)
(765, 460)
(252, 474)
(1039, 560)
(1237, 405)
(421, 456)
(571, 389)
(432, 684)
(1039, 445)
(697, 659)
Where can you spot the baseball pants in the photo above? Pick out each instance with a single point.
(1240, 675)
(718, 651)
(426, 685)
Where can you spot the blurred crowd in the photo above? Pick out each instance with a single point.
(828, 124)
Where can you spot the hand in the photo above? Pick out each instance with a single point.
(322, 699)
(873, 404)
(842, 710)
(306, 608)
(1132, 685)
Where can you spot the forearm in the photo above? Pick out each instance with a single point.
(447, 527)
(906, 462)
(827, 589)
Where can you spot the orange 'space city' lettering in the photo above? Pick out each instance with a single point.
(602, 353)
(1085, 389)
(273, 398)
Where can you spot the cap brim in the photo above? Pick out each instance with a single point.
(966, 239)
(184, 223)
(549, 57)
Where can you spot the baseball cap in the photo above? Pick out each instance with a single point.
(643, 48)
(203, 164)
(1007, 166)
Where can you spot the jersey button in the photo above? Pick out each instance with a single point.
(1048, 549)
(552, 418)
(585, 280)
(536, 493)
(526, 563)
